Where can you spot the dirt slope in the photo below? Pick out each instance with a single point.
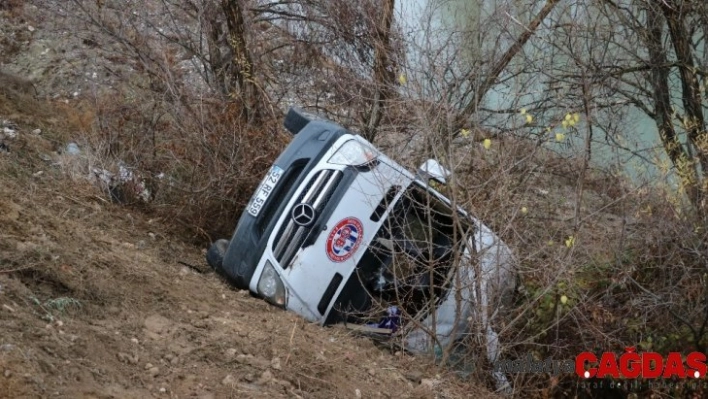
(100, 301)
(95, 304)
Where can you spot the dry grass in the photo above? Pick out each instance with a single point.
(92, 291)
(604, 263)
(629, 264)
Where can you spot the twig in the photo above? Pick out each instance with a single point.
(195, 268)
(292, 335)
(105, 201)
(660, 299)
(16, 269)
(315, 378)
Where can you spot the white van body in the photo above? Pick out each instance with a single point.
(324, 241)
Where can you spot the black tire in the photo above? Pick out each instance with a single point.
(215, 259)
(296, 120)
(215, 255)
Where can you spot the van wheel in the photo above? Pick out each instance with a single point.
(215, 255)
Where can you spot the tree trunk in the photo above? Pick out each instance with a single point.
(499, 67)
(242, 71)
(212, 26)
(384, 73)
(662, 107)
(692, 99)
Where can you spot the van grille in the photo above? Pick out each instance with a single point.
(281, 190)
(292, 236)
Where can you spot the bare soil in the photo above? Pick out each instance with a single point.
(102, 301)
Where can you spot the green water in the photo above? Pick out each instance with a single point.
(632, 146)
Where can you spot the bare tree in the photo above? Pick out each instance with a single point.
(384, 70)
(241, 60)
(648, 46)
(501, 64)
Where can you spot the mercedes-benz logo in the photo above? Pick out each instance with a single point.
(303, 214)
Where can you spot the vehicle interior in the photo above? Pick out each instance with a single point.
(408, 264)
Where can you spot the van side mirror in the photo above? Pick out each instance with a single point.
(431, 169)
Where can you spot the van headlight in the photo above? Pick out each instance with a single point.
(353, 153)
(270, 286)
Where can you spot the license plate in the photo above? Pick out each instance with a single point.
(264, 190)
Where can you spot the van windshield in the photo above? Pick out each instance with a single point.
(409, 262)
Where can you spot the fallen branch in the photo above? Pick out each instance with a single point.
(193, 267)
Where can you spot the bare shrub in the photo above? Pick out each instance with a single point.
(603, 262)
(199, 164)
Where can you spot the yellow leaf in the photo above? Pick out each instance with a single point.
(402, 79)
(568, 117)
(550, 243)
(465, 132)
(576, 117)
(523, 111)
(560, 136)
(524, 210)
(570, 241)
(565, 123)
(487, 143)
(564, 299)
(529, 118)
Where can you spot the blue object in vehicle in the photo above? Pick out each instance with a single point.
(391, 321)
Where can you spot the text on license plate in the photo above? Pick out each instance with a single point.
(266, 187)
